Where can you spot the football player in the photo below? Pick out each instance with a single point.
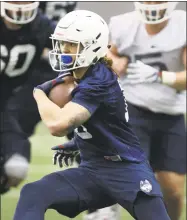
(25, 33)
(113, 168)
(56, 10)
(148, 47)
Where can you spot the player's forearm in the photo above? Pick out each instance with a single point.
(180, 83)
(50, 114)
(175, 80)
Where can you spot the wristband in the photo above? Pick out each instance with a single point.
(168, 78)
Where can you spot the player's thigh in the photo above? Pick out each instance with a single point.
(69, 192)
(15, 152)
(5, 94)
(170, 154)
(51, 192)
(89, 191)
(141, 126)
(123, 181)
(12, 138)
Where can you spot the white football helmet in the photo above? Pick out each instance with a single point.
(80, 27)
(155, 13)
(19, 13)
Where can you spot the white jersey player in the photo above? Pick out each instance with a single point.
(148, 48)
(162, 51)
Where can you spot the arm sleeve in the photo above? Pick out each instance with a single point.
(88, 101)
(114, 35)
(123, 29)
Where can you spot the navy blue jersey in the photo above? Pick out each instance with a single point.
(21, 50)
(107, 132)
(56, 10)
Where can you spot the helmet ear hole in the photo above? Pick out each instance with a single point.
(98, 36)
(95, 60)
(96, 49)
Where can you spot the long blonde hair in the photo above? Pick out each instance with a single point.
(107, 61)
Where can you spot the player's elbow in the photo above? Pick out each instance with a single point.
(57, 129)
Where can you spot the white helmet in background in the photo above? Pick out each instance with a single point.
(19, 13)
(154, 13)
(84, 28)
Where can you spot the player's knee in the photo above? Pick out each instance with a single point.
(37, 194)
(16, 169)
(36, 199)
(27, 190)
(172, 184)
(32, 192)
(174, 192)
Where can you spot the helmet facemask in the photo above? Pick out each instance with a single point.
(155, 13)
(19, 13)
(66, 61)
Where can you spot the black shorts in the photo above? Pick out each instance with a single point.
(163, 138)
(96, 183)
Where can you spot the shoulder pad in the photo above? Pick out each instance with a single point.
(123, 29)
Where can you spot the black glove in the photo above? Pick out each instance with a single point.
(65, 154)
(47, 86)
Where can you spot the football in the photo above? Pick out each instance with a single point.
(61, 94)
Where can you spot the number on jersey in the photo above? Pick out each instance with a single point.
(57, 10)
(152, 59)
(12, 69)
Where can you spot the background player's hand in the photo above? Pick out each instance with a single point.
(64, 157)
(141, 73)
(47, 86)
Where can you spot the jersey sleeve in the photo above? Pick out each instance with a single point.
(176, 30)
(87, 101)
(123, 29)
(96, 88)
(179, 24)
(114, 32)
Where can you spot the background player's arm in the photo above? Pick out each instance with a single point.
(60, 121)
(119, 62)
(180, 82)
